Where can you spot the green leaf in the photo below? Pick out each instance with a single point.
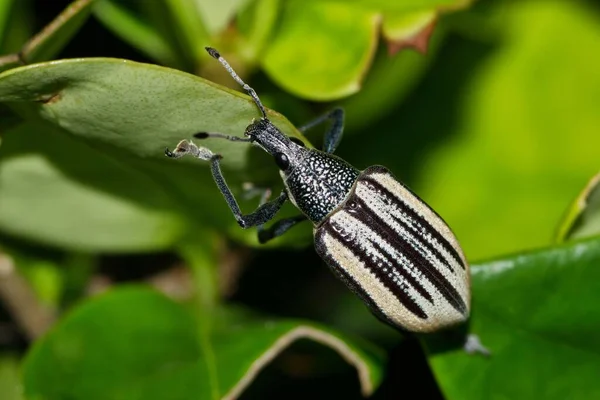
(50, 41)
(402, 6)
(8, 119)
(9, 378)
(135, 30)
(16, 30)
(189, 26)
(390, 80)
(411, 29)
(321, 51)
(583, 217)
(256, 22)
(217, 15)
(526, 140)
(131, 112)
(140, 108)
(100, 352)
(64, 193)
(538, 315)
(5, 10)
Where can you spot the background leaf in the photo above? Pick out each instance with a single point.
(5, 9)
(161, 352)
(9, 378)
(583, 217)
(305, 56)
(135, 30)
(48, 43)
(537, 313)
(528, 124)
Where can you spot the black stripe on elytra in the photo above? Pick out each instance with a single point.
(402, 271)
(349, 281)
(423, 244)
(412, 214)
(359, 253)
(374, 221)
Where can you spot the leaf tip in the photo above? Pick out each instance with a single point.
(418, 41)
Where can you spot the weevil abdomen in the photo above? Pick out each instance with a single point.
(397, 254)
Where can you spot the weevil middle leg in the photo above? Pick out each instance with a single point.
(279, 227)
(333, 137)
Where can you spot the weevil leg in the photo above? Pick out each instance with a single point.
(265, 212)
(473, 345)
(278, 228)
(333, 137)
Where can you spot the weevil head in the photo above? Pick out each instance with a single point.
(288, 153)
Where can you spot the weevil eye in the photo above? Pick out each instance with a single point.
(282, 161)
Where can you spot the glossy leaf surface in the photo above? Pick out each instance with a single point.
(538, 315)
(167, 352)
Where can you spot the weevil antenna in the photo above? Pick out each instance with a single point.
(215, 54)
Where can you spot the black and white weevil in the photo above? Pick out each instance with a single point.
(377, 236)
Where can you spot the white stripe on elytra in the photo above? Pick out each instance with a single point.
(370, 196)
(441, 313)
(377, 204)
(404, 195)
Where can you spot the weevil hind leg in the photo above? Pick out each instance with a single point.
(333, 136)
(278, 228)
(473, 345)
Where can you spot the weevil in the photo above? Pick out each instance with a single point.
(384, 242)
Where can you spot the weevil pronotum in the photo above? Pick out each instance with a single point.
(377, 236)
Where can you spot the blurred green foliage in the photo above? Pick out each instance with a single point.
(495, 127)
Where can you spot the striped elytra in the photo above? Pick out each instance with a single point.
(396, 254)
(377, 236)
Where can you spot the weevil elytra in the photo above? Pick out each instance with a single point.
(377, 236)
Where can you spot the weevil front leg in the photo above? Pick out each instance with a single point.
(333, 137)
(261, 215)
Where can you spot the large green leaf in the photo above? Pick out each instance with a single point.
(538, 314)
(527, 137)
(100, 352)
(131, 112)
(140, 108)
(132, 28)
(64, 193)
